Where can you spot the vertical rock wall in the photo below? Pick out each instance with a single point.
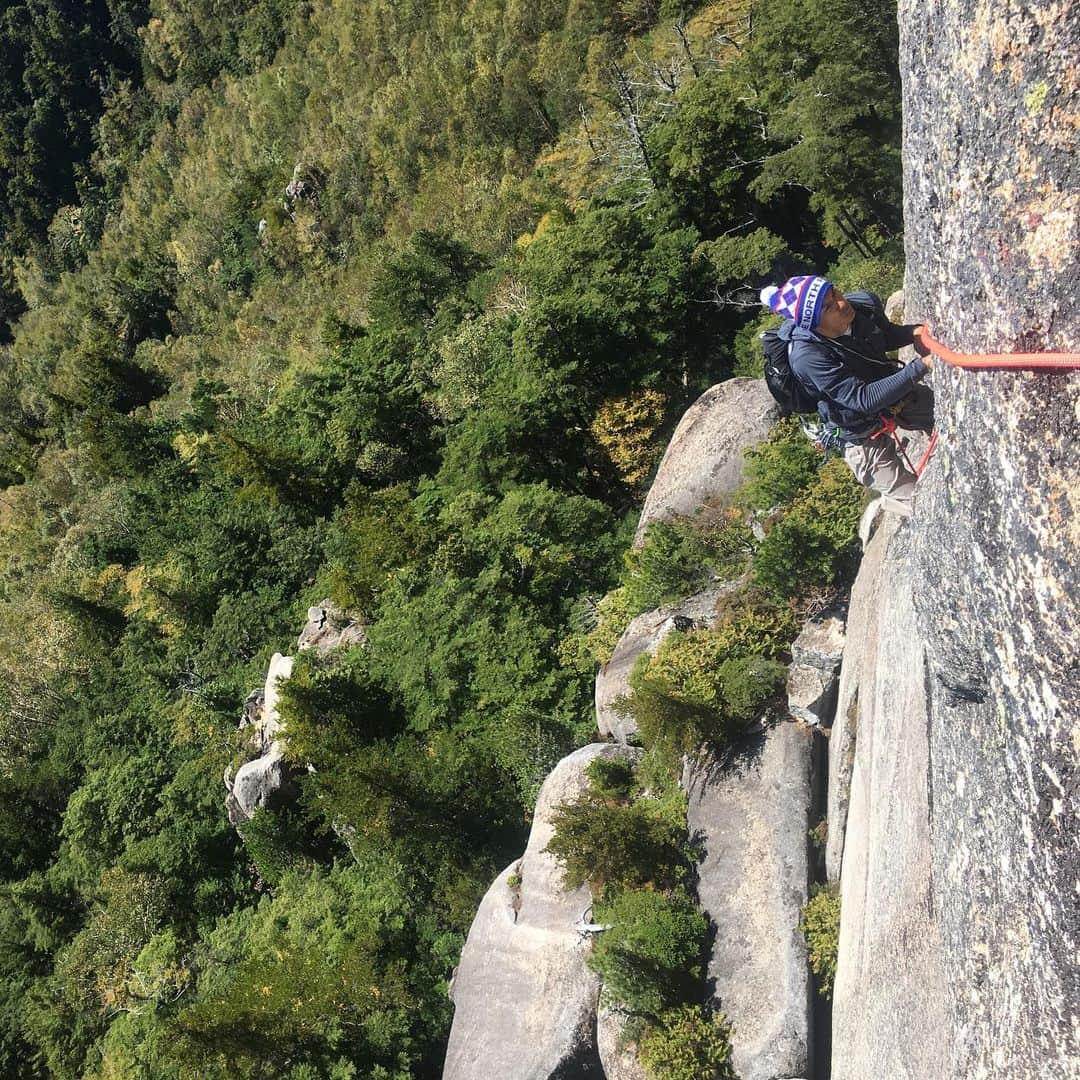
(992, 111)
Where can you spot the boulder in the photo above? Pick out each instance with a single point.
(328, 627)
(751, 812)
(644, 635)
(618, 1054)
(815, 668)
(525, 1002)
(263, 784)
(704, 460)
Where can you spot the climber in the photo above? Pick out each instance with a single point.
(836, 350)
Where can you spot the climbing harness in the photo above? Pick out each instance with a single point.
(888, 427)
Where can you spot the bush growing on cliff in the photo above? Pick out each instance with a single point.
(688, 1043)
(679, 557)
(650, 960)
(780, 468)
(816, 541)
(699, 688)
(820, 925)
(612, 841)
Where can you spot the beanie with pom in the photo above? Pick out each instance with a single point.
(798, 299)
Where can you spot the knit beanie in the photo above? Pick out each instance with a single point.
(799, 299)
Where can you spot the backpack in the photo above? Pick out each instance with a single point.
(790, 394)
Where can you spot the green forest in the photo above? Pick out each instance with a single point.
(395, 303)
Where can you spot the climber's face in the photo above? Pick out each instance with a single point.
(836, 313)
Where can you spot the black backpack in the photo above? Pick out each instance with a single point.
(790, 394)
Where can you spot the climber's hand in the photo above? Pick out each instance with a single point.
(922, 348)
(920, 345)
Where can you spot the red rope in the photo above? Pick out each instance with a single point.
(926, 456)
(997, 360)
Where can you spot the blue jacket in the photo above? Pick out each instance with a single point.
(851, 376)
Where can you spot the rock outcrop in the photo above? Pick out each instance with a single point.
(618, 1055)
(751, 812)
(328, 627)
(644, 635)
(525, 1003)
(858, 669)
(704, 460)
(266, 781)
(960, 927)
(815, 669)
(893, 1012)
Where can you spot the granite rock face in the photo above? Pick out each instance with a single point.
(617, 1054)
(858, 669)
(751, 811)
(990, 690)
(644, 635)
(814, 670)
(525, 1004)
(704, 460)
(892, 1009)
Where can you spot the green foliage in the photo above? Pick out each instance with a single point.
(611, 778)
(678, 558)
(881, 273)
(816, 540)
(611, 843)
(275, 841)
(700, 688)
(262, 991)
(820, 925)
(597, 627)
(650, 959)
(668, 566)
(780, 468)
(688, 1043)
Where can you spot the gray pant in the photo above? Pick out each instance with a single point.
(878, 463)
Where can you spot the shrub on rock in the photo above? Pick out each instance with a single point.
(816, 540)
(650, 959)
(820, 925)
(686, 1044)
